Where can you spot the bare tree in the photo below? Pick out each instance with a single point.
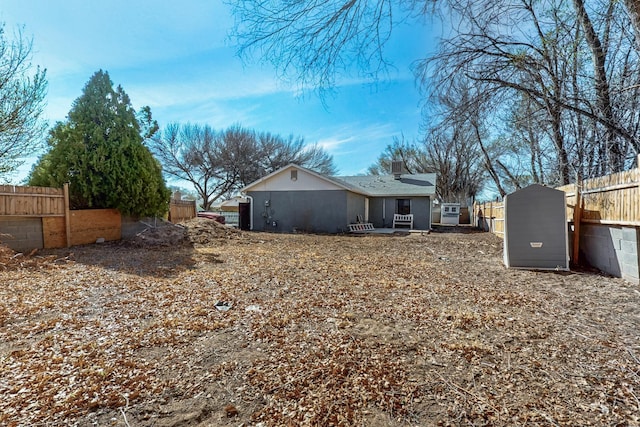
(316, 41)
(633, 8)
(411, 154)
(188, 153)
(220, 163)
(447, 153)
(277, 151)
(455, 160)
(509, 50)
(22, 101)
(613, 151)
(500, 62)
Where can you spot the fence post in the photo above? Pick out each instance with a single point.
(67, 214)
(491, 229)
(577, 216)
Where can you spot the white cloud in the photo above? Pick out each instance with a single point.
(172, 57)
(332, 144)
(341, 139)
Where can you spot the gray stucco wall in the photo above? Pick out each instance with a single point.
(375, 212)
(420, 208)
(355, 207)
(311, 211)
(611, 249)
(22, 234)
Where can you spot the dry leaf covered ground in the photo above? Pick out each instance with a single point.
(311, 330)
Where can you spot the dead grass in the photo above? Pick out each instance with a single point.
(322, 330)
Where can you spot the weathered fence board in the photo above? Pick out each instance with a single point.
(57, 225)
(54, 232)
(31, 201)
(88, 225)
(491, 216)
(612, 199)
(181, 210)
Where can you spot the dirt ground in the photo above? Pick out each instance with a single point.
(202, 325)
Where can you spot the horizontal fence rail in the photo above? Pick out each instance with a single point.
(612, 199)
(181, 210)
(31, 201)
(608, 200)
(490, 217)
(39, 217)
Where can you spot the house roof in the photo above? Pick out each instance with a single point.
(386, 185)
(368, 185)
(274, 179)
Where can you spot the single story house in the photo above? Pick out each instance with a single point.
(295, 198)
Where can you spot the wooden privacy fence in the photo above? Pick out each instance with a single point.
(181, 210)
(608, 200)
(33, 217)
(50, 204)
(33, 201)
(489, 216)
(39, 217)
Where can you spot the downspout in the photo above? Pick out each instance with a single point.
(384, 215)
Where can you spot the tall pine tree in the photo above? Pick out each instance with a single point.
(99, 151)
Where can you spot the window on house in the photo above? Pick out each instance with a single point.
(294, 175)
(403, 206)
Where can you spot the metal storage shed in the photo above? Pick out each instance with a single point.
(535, 229)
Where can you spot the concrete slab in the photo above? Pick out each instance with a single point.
(392, 231)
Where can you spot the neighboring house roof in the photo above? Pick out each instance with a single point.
(229, 204)
(368, 185)
(234, 201)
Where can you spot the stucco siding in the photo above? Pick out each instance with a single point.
(355, 206)
(382, 209)
(375, 212)
(310, 211)
(421, 210)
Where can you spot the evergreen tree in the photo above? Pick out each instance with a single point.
(99, 151)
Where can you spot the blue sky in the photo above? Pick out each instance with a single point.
(175, 56)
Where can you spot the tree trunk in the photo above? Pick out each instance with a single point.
(615, 159)
(487, 162)
(558, 139)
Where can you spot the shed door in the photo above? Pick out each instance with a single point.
(536, 230)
